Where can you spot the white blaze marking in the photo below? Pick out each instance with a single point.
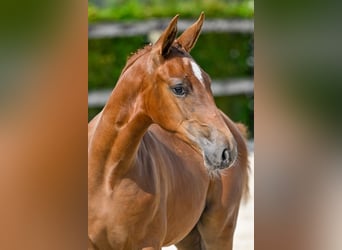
(197, 71)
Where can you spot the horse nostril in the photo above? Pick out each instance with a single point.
(225, 156)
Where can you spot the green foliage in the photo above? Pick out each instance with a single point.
(134, 9)
(224, 55)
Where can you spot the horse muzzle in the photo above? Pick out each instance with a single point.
(219, 149)
(219, 155)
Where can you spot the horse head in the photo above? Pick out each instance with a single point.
(177, 96)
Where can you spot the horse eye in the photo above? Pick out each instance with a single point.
(179, 91)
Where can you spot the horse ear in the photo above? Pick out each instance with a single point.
(166, 39)
(189, 37)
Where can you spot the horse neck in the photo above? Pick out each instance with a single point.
(118, 131)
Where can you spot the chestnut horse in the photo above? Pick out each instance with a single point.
(165, 165)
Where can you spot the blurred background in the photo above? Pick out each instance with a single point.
(44, 113)
(224, 49)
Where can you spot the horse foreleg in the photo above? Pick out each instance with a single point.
(217, 227)
(191, 242)
(217, 223)
(91, 246)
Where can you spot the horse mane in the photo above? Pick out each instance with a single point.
(135, 56)
(246, 191)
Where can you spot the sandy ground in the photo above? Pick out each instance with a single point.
(244, 233)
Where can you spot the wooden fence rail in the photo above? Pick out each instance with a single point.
(122, 29)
